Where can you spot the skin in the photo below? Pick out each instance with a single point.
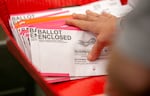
(126, 76)
(93, 22)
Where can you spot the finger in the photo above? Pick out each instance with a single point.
(84, 17)
(91, 18)
(82, 24)
(79, 16)
(101, 42)
(95, 52)
(88, 12)
(99, 95)
(106, 14)
(102, 18)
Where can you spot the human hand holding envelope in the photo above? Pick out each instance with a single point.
(46, 40)
(102, 25)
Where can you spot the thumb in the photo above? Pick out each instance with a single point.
(96, 50)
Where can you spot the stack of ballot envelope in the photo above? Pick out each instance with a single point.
(59, 51)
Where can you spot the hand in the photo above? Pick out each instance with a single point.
(102, 25)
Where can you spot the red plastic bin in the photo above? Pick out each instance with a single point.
(83, 87)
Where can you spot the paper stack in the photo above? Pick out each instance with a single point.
(59, 51)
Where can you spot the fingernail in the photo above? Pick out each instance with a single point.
(88, 11)
(74, 14)
(68, 21)
(90, 57)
